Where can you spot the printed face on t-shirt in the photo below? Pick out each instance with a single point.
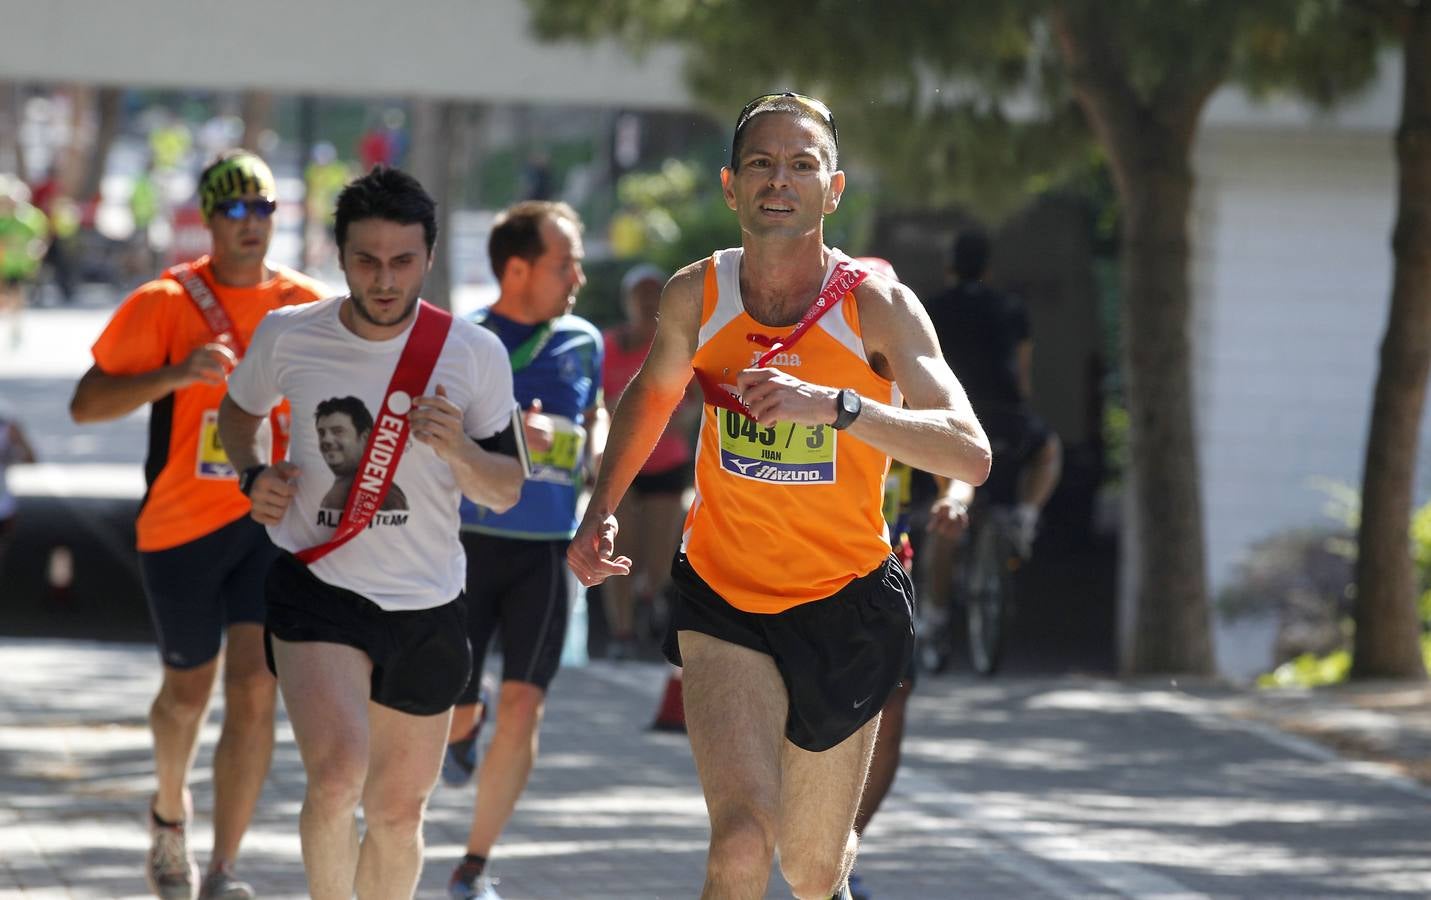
(340, 442)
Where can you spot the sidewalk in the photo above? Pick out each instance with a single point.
(1049, 787)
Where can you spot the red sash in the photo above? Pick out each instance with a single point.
(389, 436)
(845, 277)
(224, 333)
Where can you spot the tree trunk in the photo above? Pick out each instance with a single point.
(1172, 631)
(1388, 628)
(256, 110)
(1149, 145)
(108, 109)
(433, 126)
(12, 151)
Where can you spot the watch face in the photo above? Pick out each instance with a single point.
(850, 401)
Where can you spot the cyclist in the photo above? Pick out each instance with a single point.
(987, 340)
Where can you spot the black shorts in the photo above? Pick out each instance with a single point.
(1015, 436)
(198, 589)
(420, 657)
(674, 480)
(840, 657)
(518, 588)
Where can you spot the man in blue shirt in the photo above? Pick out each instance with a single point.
(517, 579)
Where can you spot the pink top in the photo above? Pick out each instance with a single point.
(621, 365)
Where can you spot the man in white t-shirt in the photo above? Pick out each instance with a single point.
(369, 641)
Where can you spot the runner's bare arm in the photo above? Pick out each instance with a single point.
(936, 431)
(598, 428)
(491, 479)
(275, 486)
(640, 417)
(100, 396)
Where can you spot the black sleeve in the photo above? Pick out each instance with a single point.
(510, 441)
(1020, 328)
(503, 442)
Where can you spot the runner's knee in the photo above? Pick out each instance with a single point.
(392, 815)
(249, 696)
(519, 708)
(742, 844)
(811, 876)
(335, 784)
(185, 692)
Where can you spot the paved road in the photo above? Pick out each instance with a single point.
(1036, 788)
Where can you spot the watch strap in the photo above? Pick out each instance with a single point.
(248, 476)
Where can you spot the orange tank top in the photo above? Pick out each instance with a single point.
(787, 514)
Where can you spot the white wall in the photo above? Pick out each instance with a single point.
(1291, 279)
(476, 49)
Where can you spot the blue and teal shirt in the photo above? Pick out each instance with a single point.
(558, 363)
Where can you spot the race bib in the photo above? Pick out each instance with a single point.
(560, 462)
(213, 462)
(785, 452)
(896, 491)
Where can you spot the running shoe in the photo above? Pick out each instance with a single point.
(479, 888)
(220, 884)
(460, 760)
(172, 871)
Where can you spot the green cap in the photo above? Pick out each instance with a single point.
(239, 175)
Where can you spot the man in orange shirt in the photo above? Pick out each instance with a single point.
(171, 344)
(794, 620)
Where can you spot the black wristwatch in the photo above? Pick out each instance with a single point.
(847, 406)
(248, 476)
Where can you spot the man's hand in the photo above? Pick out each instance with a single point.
(210, 364)
(773, 396)
(589, 554)
(949, 518)
(539, 427)
(437, 422)
(272, 491)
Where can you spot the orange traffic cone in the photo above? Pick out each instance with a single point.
(671, 714)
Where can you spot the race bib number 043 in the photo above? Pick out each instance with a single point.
(785, 452)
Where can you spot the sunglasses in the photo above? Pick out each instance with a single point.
(816, 106)
(238, 209)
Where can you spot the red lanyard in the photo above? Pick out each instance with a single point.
(224, 333)
(844, 278)
(209, 306)
(388, 438)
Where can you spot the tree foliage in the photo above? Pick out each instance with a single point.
(947, 101)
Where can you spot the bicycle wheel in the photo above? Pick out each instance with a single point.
(985, 595)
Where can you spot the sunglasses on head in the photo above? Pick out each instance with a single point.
(238, 209)
(816, 106)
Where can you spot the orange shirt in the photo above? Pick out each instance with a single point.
(787, 514)
(192, 488)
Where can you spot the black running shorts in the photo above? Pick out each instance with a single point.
(198, 589)
(668, 481)
(840, 657)
(420, 657)
(518, 588)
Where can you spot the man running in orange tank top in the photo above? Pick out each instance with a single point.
(793, 620)
(202, 560)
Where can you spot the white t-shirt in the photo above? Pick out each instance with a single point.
(409, 557)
